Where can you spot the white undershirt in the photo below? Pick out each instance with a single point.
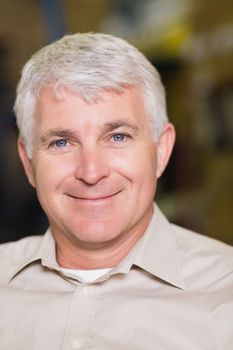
(88, 275)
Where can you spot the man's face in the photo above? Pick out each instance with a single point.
(94, 165)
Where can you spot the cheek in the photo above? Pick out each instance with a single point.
(139, 166)
(146, 175)
(50, 173)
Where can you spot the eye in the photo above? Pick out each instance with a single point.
(61, 146)
(60, 143)
(119, 137)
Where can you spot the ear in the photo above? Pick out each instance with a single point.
(164, 147)
(26, 161)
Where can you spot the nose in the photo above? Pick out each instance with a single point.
(91, 166)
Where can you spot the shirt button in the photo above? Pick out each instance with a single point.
(85, 291)
(76, 344)
(88, 291)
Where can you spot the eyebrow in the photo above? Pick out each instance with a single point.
(62, 133)
(119, 123)
(71, 134)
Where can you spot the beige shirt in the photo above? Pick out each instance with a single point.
(174, 291)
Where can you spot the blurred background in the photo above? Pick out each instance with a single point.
(191, 44)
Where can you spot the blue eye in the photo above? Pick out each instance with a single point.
(118, 137)
(60, 143)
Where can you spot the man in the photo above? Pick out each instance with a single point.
(111, 272)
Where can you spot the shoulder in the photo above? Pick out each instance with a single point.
(204, 259)
(14, 255)
(24, 245)
(207, 266)
(194, 240)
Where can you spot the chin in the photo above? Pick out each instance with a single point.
(94, 231)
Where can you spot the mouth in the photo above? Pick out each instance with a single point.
(94, 199)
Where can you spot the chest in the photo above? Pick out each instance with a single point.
(107, 316)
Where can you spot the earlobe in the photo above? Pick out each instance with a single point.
(26, 161)
(164, 147)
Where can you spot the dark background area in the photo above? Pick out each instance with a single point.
(191, 44)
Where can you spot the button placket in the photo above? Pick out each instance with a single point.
(81, 317)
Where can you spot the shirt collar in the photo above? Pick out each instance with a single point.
(37, 248)
(155, 252)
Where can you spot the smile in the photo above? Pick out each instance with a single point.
(94, 199)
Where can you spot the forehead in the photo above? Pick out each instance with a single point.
(110, 106)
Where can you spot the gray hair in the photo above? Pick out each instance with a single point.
(88, 64)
